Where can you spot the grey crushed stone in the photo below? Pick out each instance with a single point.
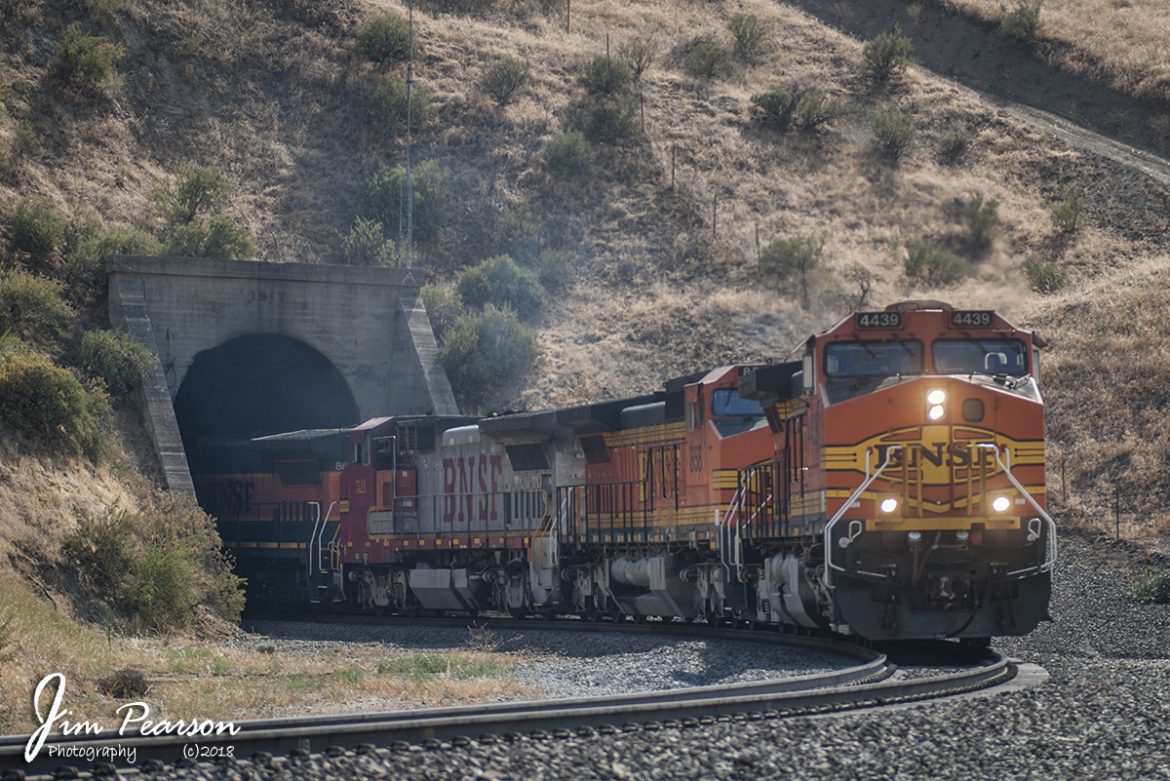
(1104, 714)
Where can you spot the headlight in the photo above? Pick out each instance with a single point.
(1001, 503)
(936, 396)
(936, 412)
(889, 505)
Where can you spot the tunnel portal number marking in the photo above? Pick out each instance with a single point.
(261, 296)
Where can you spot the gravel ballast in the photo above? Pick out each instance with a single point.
(1104, 714)
(556, 664)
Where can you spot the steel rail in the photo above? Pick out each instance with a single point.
(863, 685)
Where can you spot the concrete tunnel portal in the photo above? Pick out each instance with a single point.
(255, 385)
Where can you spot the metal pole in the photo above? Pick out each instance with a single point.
(1117, 511)
(409, 139)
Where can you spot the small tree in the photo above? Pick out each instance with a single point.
(932, 265)
(893, 132)
(569, 156)
(33, 308)
(504, 79)
(500, 281)
(775, 108)
(793, 256)
(638, 55)
(385, 107)
(1021, 22)
(384, 38)
(815, 109)
(195, 191)
(364, 245)
(216, 237)
(443, 308)
(85, 61)
(50, 407)
(884, 57)
(749, 35)
(707, 58)
(485, 354)
(980, 216)
(37, 228)
(115, 359)
(1045, 278)
(609, 120)
(605, 75)
(385, 200)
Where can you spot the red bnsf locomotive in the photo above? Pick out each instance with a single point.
(889, 484)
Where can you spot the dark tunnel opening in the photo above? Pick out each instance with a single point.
(252, 386)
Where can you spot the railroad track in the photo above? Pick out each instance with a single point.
(869, 683)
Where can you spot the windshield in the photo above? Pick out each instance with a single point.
(984, 356)
(873, 359)
(727, 401)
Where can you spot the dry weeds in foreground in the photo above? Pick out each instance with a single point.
(1127, 39)
(224, 679)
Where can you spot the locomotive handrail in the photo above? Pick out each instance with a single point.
(1050, 525)
(313, 535)
(321, 534)
(829, 564)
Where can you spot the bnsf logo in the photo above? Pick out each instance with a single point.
(470, 486)
(948, 454)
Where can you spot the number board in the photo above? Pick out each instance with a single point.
(971, 319)
(879, 319)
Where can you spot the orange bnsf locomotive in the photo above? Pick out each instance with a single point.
(889, 484)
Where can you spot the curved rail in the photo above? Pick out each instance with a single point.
(864, 685)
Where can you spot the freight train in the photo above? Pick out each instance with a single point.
(888, 484)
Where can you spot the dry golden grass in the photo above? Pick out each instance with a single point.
(1123, 40)
(222, 679)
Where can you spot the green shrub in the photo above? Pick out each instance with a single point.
(638, 55)
(885, 56)
(1153, 587)
(443, 308)
(385, 200)
(707, 58)
(1022, 21)
(953, 146)
(155, 568)
(1045, 278)
(364, 245)
(815, 109)
(384, 38)
(32, 308)
(504, 79)
(85, 61)
(569, 156)
(1066, 214)
(195, 191)
(36, 227)
(49, 406)
(781, 108)
(932, 265)
(605, 75)
(609, 120)
(790, 257)
(385, 107)
(500, 281)
(216, 237)
(775, 108)
(748, 34)
(485, 354)
(893, 132)
(553, 270)
(115, 359)
(85, 272)
(980, 216)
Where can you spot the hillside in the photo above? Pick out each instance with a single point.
(275, 96)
